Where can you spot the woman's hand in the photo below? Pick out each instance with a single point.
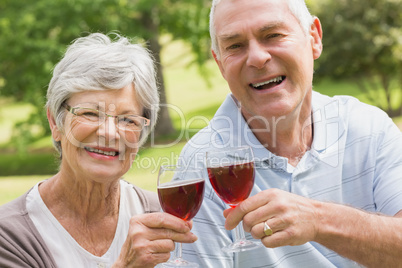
(151, 238)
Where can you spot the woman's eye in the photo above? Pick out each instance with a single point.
(129, 121)
(87, 112)
(90, 114)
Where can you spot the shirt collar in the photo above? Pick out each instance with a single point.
(233, 130)
(328, 124)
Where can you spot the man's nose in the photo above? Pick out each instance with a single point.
(258, 54)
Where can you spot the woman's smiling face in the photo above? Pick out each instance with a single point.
(100, 152)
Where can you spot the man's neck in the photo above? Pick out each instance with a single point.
(287, 136)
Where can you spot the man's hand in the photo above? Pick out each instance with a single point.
(373, 240)
(292, 218)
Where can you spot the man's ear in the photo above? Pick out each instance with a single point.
(53, 127)
(316, 34)
(219, 63)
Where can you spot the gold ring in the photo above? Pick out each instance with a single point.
(267, 229)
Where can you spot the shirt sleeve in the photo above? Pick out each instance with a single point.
(20, 243)
(388, 170)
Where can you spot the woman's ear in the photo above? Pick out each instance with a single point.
(53, 127)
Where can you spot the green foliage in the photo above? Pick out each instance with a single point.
(189, 20)
(29, 164)
(34, 35)
(363, 43)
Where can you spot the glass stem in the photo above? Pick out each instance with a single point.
(239, 232)
(178, 251)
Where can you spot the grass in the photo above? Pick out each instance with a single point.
(14, 186)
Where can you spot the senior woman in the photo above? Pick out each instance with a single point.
(102, 102)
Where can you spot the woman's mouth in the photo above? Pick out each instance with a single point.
(269, 83)
(102, 152)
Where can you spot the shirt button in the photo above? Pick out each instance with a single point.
(101, 265)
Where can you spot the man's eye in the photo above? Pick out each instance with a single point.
(234, 46)
(274, 35)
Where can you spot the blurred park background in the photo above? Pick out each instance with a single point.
(362, 57)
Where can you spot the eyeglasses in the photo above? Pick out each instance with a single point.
(95, 117)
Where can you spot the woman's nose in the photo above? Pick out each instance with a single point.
(109, 128)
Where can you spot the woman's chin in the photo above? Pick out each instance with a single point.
(105, 173)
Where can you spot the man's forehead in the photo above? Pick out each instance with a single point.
(270, 26)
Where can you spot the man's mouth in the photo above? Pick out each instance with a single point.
(98, 151)
(268, 84)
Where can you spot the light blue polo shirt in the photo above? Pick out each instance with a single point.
(355, 159)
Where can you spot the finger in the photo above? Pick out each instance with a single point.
(162, 246)
(252, 204)
(234, 216)
(226, 212)
(290, 236)
(278, 239)
(190, 224)
(260, 214)
(140, 231)
(158, 234)
(162, 220)
(258, 230)
(138, 252)
(160, 258)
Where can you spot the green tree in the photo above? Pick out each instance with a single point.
(363, 43)
(34, 34)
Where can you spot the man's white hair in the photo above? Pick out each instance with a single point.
(297, 7)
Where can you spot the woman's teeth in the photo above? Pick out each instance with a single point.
(110, 153)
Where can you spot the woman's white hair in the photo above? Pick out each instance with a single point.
(104, 62)
(297, 7)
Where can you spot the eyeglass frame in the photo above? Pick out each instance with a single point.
(146, 121)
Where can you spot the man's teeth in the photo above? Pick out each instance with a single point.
(111, 153)
(273, 80)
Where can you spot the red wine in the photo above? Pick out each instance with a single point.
(182, 199)
(234, 183)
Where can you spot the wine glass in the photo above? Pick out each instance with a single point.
(180, 192)
(231, 173)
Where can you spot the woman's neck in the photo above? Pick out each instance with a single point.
(68, 196)
(88, 211)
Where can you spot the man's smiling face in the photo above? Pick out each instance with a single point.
(265, 56)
